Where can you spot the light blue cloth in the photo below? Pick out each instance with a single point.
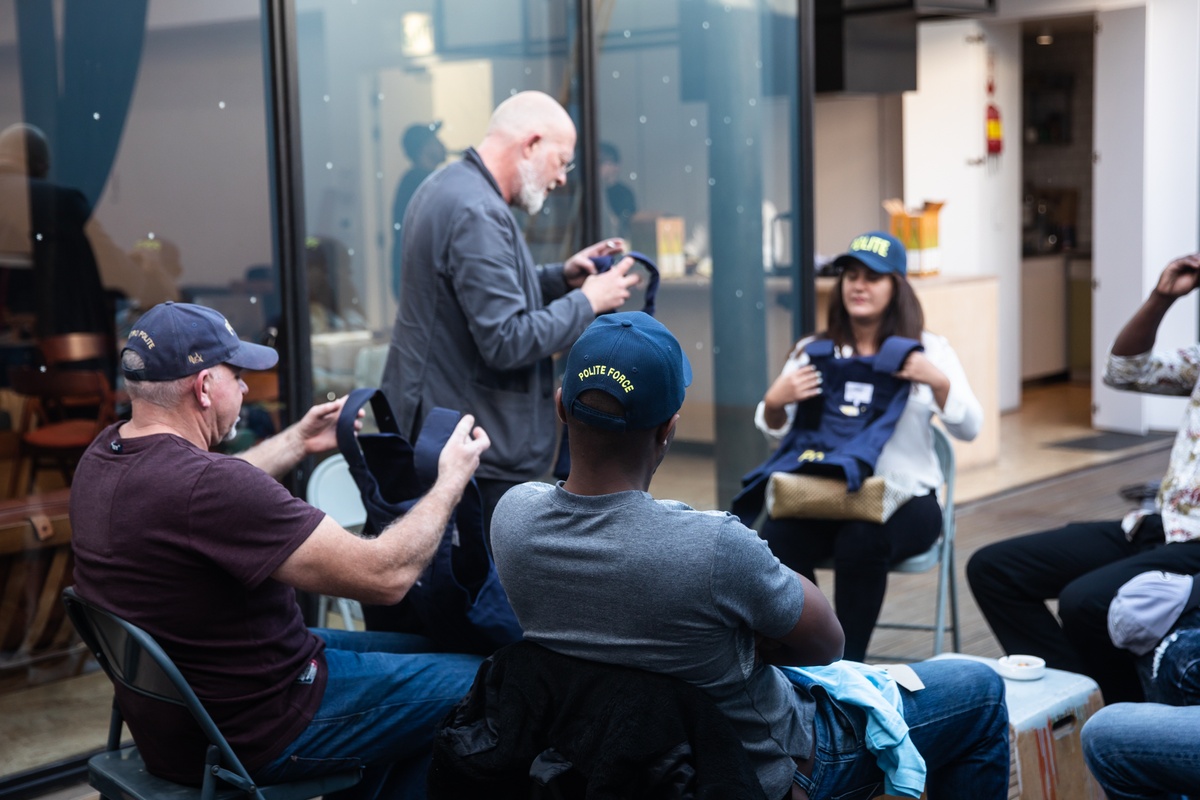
(876, 693)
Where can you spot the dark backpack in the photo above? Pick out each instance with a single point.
(458, 601)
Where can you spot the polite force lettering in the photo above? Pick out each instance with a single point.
(601, 370)
(145, 337)
(871, 244)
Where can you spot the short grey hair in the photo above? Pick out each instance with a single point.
(165, 394)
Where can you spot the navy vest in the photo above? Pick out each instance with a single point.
(841, 431)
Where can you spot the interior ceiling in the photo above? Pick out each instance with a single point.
(1058, 26)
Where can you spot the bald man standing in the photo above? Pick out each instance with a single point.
(479, 322)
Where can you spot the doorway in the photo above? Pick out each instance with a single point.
(1058, 79)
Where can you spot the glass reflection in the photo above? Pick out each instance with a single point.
(133, 170)
(389, 91)
(702, 132)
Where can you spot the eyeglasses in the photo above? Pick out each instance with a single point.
(565, 165)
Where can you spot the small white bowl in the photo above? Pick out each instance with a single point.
(1021, 668)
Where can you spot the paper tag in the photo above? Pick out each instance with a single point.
(859, 394)
(906, 676)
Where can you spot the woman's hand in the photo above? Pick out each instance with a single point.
(792, 387)
(919, 369)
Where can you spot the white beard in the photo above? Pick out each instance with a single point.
(229, 437)
(531, 198)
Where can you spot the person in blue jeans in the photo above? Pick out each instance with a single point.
(1145, 751)
(378, 710)
(205, 552)
(597, 568)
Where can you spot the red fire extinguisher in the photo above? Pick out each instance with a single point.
(995, 131)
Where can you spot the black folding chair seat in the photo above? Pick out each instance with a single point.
(131, 658)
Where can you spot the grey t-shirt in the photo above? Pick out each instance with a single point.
(627, 579)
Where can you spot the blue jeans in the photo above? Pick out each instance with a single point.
(1177, 681)
(958, 722)
(384, 696)
(1144, 751)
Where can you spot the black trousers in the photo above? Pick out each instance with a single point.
(862, 553)
(1082, 565)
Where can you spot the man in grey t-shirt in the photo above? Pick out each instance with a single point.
(598, 569)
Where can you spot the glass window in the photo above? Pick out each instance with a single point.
(389, 91)
(134, 168)
(696, 103)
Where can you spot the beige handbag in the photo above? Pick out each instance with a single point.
(795, 496)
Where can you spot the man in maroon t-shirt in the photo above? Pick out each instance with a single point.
(206, 551)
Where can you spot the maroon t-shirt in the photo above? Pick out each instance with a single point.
(182, 543)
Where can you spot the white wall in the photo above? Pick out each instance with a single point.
(1032, 9)
(945, 160)
(188, 170)
(1119, 142)
(1002, 221)
(1172, 178)
(856, 146)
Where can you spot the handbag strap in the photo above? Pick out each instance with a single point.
(348, 445)
(434, 434)
(347, 435)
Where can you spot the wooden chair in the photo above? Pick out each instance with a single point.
(69, 348)
(35, 565)
(64, 411)
(263, 390)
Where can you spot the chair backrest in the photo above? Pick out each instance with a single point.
(67, 348)
(131, 658)
(944, 450)
(58, 390)
(332, 489)
(368, 365)
(534, 712)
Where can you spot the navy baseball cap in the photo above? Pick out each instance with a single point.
(180, 339)
(634, 358)
(878, 251)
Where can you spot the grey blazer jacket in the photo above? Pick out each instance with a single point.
(479, 322)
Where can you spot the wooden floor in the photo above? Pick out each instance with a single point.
(1087, 494)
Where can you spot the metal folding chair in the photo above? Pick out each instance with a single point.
(940, 555)
(332, 489)
(131, 658)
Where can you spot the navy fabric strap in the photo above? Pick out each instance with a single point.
(821, 348)
(348, 444)
(434, 434)
(893, 352)
(604, 264)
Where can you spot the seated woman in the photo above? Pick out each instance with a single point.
(871, 302)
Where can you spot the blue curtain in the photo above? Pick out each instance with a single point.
(83, 110)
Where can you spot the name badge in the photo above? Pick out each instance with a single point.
(859, 394)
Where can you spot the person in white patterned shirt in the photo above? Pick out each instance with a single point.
(1084, 563)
